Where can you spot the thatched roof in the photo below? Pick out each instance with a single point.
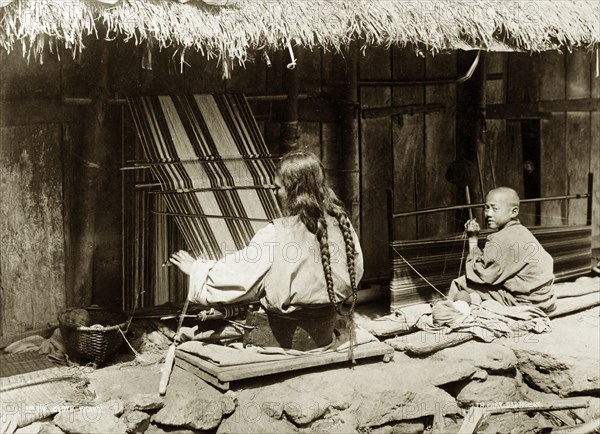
(231, 28)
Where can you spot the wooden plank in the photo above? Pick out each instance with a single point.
(553, 174)
(274, 86)
(577, 163)
(330, 138)
(364, 351)
(20, 78)
(553, 180)
(309, 82)
(595, 168)
(492, 153)
(578, 74)
(578, 132)
(523, 78)
(439, 149)
(375, 157)
(225, 374)
(552, 76)
(184, 364)
(509, 165)
(407, 140)
(31, 228)
(595, 157)
(310, 137)
(331, 151)
(496, 64)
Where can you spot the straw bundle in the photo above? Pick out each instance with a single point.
(232, 31)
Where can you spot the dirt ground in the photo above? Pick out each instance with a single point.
(410, 394)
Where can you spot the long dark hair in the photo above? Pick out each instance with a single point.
(309, 197)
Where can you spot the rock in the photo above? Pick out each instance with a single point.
(305, 410)
(251, 420)
(92, 419)
(192, 403)
(154, 429)
(191, 412)
(514, 423)
(494, 389)
(452, 372)
(401, 428)
(228, 402)
(396, 405)
(564, 361)
(135, 421)
(40, 428)
(492, 357)
(479, 375)
(144, 402)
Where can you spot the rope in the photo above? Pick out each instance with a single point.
(420, 275)
(138, 356)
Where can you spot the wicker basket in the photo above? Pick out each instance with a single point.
(96, 340)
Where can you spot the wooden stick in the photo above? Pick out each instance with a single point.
(492, 171)
(170, 358)
(480, 176)
(561, 404)
(468, 197)
(473, 420)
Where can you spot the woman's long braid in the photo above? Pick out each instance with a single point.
(346, 229)
(323, 239)
(344, 223)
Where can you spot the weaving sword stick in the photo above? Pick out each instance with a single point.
(170, 358)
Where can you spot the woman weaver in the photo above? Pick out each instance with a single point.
(299, 268)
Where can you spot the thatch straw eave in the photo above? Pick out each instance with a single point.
(232, 31)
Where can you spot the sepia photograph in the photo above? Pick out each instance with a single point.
(300, 216)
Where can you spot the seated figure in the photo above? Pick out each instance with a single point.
(513, 272)
(298, 269)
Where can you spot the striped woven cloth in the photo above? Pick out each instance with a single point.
(213, 166)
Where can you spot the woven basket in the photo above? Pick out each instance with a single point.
(96, 340)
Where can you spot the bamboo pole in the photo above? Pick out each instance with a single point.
(479, 205)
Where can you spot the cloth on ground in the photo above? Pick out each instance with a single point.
(236, 354)
(53, 347)
(483, 323)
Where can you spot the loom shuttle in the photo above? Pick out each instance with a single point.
(167, 264)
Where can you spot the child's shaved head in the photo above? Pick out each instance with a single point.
(508, 195)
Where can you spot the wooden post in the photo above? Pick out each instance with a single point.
(87, 172)
(350, 145)
(289, 126)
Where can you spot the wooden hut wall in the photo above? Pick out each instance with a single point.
(409, 153)
(33, 130)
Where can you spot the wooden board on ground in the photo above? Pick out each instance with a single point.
(221, 376)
